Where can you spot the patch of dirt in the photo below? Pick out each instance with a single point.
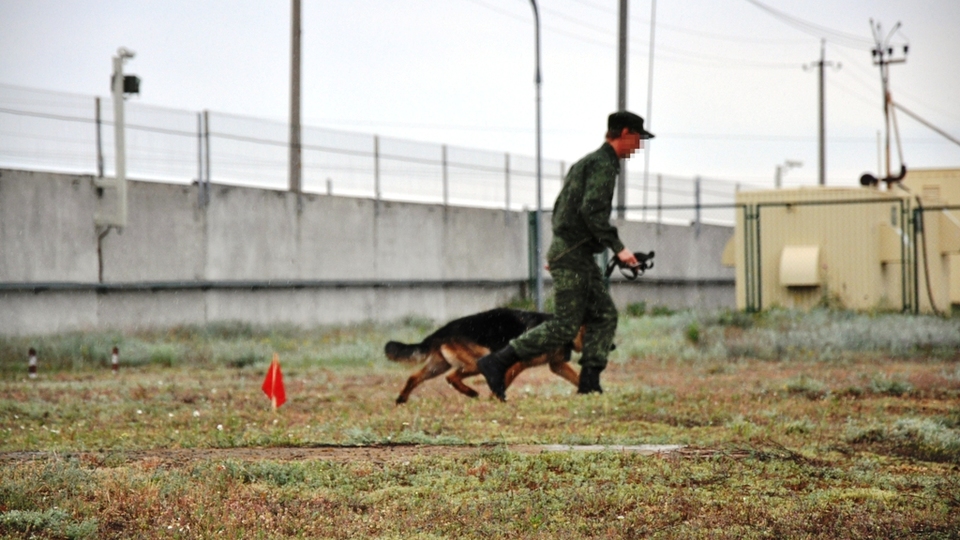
(372, 454)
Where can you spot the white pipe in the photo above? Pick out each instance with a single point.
(119, 140)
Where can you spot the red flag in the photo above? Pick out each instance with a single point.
(273, 384)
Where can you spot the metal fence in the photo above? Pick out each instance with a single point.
(918, 269)
(852, 223)
(60, 132)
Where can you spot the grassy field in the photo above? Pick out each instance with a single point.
(796, 425)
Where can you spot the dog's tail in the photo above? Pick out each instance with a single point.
(402, 352)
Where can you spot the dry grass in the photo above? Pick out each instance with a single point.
(862, 441)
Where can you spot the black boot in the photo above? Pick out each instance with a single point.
(494, 367)
(589, 380)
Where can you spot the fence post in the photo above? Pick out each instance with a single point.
(206, 141)
(532, 260)
(506, 179)
(643, 213)
(376, 172)
(99, 143)
(748, 269)
(917, 222)
(200, 194)
(696, 202)
(446, 184)
(659, 202)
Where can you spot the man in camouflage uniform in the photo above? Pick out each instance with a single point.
(581, 228)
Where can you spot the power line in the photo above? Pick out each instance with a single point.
(689, 31)
(709, 35)
(841, 38)
(595, 6)
(869, 82)
(871, 102)
(500, 11)
(678, 55)
(574, 20)
(644, 22)
(719, 61)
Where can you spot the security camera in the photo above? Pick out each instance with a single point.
(124, 52)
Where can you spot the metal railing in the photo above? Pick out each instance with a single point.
(60, 132)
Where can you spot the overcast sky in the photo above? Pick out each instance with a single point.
(730, 99)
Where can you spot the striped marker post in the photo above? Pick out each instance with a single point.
(115, 360)
(32, 363)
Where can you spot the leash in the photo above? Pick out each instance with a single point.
(644, 263)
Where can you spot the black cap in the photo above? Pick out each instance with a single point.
(626, 119)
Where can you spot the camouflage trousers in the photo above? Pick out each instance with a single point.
(581, 299)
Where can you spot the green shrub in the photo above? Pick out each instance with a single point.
(53, 522)
(890, 387)
(164, 355)
(246, 359)
(693, 333)
(924, 439)
(806, 387)
(637, 309)
(661, 311)
(738, 319)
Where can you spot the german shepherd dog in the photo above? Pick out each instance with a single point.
(461, 342)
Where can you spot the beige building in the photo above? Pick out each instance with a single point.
(865, 248)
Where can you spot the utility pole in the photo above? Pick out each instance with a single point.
(822, 149)
(295, 148)
(622, 106)
(883, 56)
(649, 119)
(537, 230)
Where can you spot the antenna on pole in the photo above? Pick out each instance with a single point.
(120, 85)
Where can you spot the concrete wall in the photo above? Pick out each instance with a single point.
(324, 260)
(41, 237)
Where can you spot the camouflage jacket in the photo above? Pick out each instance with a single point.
(581, 214)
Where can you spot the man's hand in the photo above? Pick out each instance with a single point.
(627, 257)
(632, 265)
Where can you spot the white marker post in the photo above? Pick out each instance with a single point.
(115, 360)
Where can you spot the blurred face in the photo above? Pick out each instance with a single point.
(628, 143)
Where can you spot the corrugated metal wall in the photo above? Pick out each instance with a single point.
(892, 249)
